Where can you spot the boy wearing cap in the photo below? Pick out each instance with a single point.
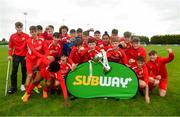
(158, 72)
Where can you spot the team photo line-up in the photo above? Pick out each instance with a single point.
(51, 55)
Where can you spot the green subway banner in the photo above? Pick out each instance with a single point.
(89, 81)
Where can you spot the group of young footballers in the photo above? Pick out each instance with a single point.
(51, 55)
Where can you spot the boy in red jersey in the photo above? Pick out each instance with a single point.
(97, 37)
(65, 66)
(37, 49)
(142, 74)
(54, 47)
(114, 33)
(40, 30)
(90, 52)
(85, 38)
(50, 71)
(126, 41)
(135, 51)
(75, 55)
(115, 53)
(63, 31)
(48, 33)
(158, 72)
(17, 52)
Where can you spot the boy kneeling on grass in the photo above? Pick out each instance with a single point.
(49, 72)
(158, 75)
(142, 74)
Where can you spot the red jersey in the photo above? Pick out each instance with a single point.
(46, 74)
(142, 73)
(18, 44)
(64, 37)
(65, 68)
(117, 56)
(54, 50)
(135, 53)
(128, 45)
(88, 54)
(47, 36)
(107, 47)
(99, 43)
(37, 48)
(75, 56)
(158, 67)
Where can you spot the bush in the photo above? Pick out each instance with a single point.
(165, 39)
(3, 43)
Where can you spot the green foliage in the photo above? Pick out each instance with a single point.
(3, 43)
(143, 39)
(165, 39)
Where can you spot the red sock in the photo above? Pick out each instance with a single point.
(45, 88)
(27, 87)
(31, 87)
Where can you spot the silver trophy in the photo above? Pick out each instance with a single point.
(102, 58)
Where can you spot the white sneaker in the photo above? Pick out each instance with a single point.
(23, 88)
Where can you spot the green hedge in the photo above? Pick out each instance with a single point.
(3, 43)
(165, 39)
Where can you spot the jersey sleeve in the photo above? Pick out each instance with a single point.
(62, 85)
(33, 50)
(124, 57)
(168, 59)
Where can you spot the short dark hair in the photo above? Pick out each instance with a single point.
(72, 31)
(51, 26)
(140, 58)
(114, 31)
(39, 27)
(56, 35)
(152, 52)
(18, 24)
(127, 34)
(135, 39)
(54, 66)
(79, 30)
(63, 27)
(91, 40)
(97, 32)
(34, 28)
(78, 42)
(64, 54)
